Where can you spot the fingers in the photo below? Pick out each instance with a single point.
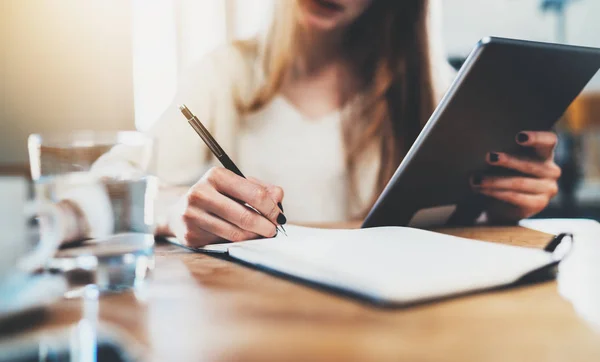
(217, 207)
(201, 224)
(515, 197)
(239, 188)
(212, 202)
(538, 169)
(519, 184)
(528, 204)
(543, 142)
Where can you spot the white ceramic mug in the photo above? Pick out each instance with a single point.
(17, 256)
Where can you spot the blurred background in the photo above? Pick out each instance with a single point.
(114, 64)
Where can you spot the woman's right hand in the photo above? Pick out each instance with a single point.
(209, 212)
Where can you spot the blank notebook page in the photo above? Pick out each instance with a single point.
(395, 264)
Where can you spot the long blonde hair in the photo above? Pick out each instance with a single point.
(388, 47)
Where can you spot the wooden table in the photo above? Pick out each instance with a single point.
(199, 308)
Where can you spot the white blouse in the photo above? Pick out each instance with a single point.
(303, 156)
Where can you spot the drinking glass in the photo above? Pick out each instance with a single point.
(103, 184)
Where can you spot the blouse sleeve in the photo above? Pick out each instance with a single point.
(181, 157)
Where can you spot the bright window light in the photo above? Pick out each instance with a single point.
(171, 35)
(154, 59)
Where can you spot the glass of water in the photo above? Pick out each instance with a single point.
(103, 184)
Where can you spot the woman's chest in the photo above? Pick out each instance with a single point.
(305, 157)
(281, 143)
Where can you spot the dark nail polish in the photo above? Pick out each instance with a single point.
(494, 157)
(476, 180)
(281, 219)
(280, 206)
(522, 137)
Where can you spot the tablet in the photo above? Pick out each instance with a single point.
(504, 87)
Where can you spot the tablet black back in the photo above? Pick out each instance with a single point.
(506, 86)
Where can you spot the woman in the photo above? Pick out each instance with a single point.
(324, 106)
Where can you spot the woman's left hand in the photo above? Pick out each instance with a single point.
(519, 197)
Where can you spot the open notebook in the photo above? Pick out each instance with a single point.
(391, 265)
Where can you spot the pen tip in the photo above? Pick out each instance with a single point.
(182, 107)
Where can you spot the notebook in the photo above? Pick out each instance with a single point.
(391, 265)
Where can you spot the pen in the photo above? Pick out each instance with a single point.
(215, 148)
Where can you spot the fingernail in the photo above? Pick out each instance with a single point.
(522, 137)
(281, 219)
(280, 206)
(494, 157)
(476, 180)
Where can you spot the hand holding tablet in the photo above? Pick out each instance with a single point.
(518, 197)
(494, 126)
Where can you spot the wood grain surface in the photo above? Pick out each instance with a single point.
(200, 308)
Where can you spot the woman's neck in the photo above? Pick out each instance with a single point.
(319, 51)
(319, 80)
